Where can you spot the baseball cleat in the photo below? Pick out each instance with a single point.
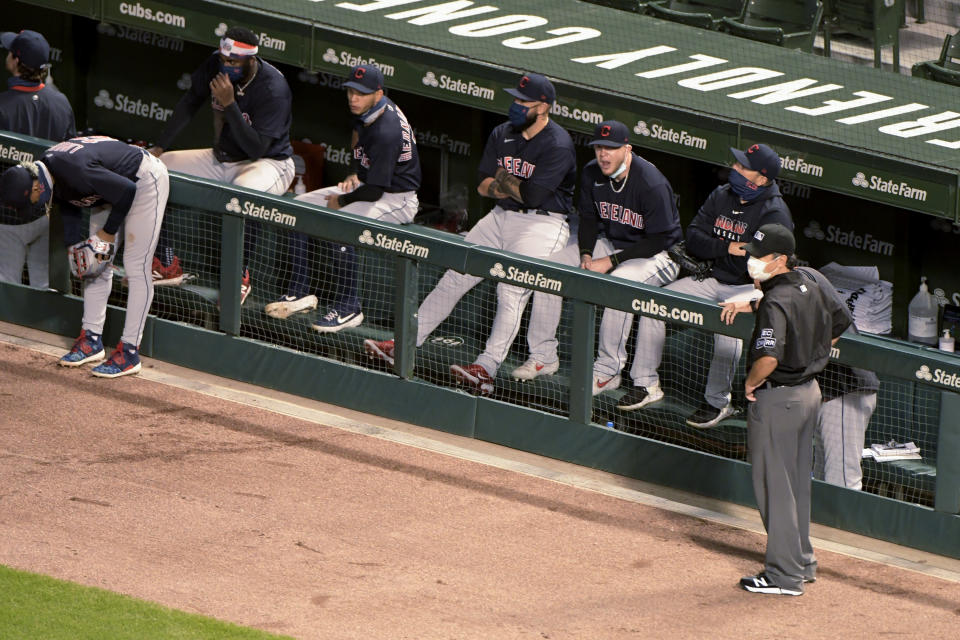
(170, 276)
(760, 583)
(639, 397)
(605, 383)
(334, 321)
(245, 286)
(382, 350)
(533, 368)
(288, 305)
(473, 376)
(124, 361)
(707, 415)
(87, 348)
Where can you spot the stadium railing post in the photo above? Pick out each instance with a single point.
(947, 498)
(406, 277)
(231, 264)
(581, 365)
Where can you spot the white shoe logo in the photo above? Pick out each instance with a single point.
(103, 99)
(641, 128)
(330, 56)
(924, 373)
(860, 180)
(814, 231)
(497, 271)
(221, 29)
(430, 79)
(234, 205)
(366, 237)
(185, 82)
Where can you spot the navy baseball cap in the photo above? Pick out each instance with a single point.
(771, 238)
(534, 87)
(365, 78)
(610, 133)
(16, 183)
(29, 46)
(759, 157)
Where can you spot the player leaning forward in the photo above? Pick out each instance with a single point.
(130, 187)
(528, 167)
(795, 327)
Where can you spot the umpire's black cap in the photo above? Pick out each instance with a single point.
(610, 133)
(365, 78)
(16, 183)
(533, 87)
(771, 238)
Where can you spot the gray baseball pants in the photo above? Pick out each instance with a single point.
(780, 426)
(30, 242)
(839, 439)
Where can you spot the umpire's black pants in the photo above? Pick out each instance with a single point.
(780, 426)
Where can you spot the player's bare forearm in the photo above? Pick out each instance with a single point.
(507, 184)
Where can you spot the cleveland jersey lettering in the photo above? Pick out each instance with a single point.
(729, 228)
(386, 151)
(618, 213)
(517, 167)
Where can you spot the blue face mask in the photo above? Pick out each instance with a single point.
(234, 73)
(743, 187)
(518, 115)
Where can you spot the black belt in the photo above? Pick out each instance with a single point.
(541, 212)
(770, 384)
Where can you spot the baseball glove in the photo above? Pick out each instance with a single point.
(90, 257)
(689, 265)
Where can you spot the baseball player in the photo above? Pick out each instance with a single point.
(796, 325)
(130, 186)
(728, 218)
(383, 187)
(34, 108)
(252, 113)
(628, 219)
(528, 167)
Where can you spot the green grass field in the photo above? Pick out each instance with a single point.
(35, 607)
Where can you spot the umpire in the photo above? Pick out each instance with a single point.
(795, 327)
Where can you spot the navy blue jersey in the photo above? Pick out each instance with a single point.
(386, 151)
(723, 219)
(36, 109)
(548, 160)
(638, 214)
(265, 103)
(93, 171)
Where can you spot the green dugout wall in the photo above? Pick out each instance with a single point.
(456, 75)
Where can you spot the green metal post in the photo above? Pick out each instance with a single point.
(581, 369)
(406, 277)
(947, 498)
(231, 264)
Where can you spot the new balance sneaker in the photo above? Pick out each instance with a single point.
(288, 305)
(124, 361)
(604, 383)
(87, 348)
(707, 415)
(639, 397)
(473, 376)
(760, 583)
(334, 321)
(167, 276)
(382, 350)
(533, 368)
(245, 286)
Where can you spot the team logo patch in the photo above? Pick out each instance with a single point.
(758, 235)
(766, 333)
(766, 343)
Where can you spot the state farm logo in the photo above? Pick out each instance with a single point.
(457, 85)
(877, 183)
(641, 128)
(945, 226)
(234, 205)
(15, 155)
(849, 238)
(348, 59)
(221, 30)
(430, 79)
(924, 373)
(134, 107)
(447, 341)
(390, 243)
(679, 137)
(253, 210)
(185, 82)
(523, 276)
(938, 376)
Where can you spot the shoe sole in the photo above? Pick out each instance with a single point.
(352, 322)
(170, 282)
(465, 379)
(96, 357)
(650, 399)
(714, 422)
(132, 370)
(283, 310)
(373, 351)
(523, 377)
(773, 591)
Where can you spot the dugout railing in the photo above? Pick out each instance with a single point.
(202, 325)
